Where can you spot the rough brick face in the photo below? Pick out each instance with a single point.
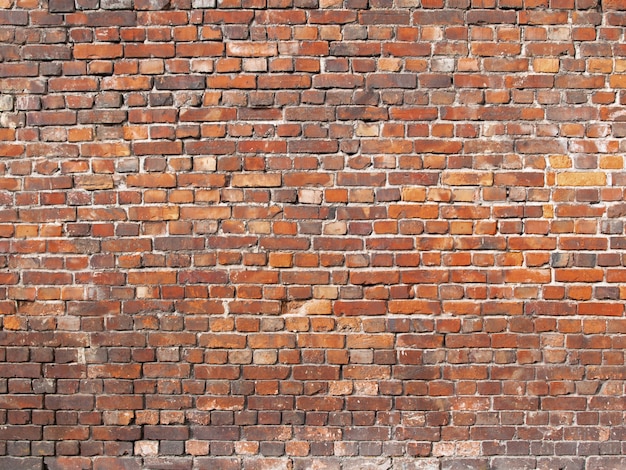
(297, 234)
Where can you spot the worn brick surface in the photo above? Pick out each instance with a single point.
(305, 234)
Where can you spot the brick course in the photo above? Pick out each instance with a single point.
(298, 234)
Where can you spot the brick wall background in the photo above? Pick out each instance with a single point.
(312, 234)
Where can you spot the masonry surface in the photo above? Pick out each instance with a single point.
(312, 234)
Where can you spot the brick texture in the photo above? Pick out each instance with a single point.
(305, 234)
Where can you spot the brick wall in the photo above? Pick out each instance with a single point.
(306, 234)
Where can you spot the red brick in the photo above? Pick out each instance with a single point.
(332, 16)
(148, 180)
(21, 432)
(238, 225)
(199, 50)
(98, 51)
(239, 81)
(18, 84)
(435, 146)
(319, 403)
(257, 180)
(154, 277)
(105, 150)
(308, 372)
(413, 113)
(600, 308)
(414, 306)
(51, 118)
(208, 114)
(61, 433)
(166, 370)
(157, 148)
(371, 307)
(519, 179)
(127, 83)
(281, 82)
(21, 401)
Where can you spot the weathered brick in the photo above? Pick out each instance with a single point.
(231, 231)
(103, 18)
(391, 80)
(126, 83)
(283, 81)
(25, 463)
(257, 180)
(117, 463)
(61, 6)
(98, 51)
(46, 52)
